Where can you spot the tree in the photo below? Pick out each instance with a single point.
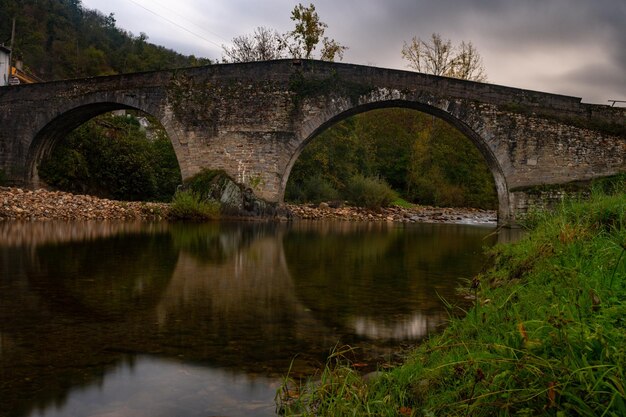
(309, 31)
(440, 57)
(331, 49)
(264, 44)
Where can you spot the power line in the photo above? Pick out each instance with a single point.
(175, 24)
(187, 20)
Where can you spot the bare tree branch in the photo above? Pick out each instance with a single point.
(264, 44)
(440, 57)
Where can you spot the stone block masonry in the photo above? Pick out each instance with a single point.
(252, 120)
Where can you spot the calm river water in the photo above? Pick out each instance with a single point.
(135, 319)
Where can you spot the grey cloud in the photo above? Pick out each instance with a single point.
(598, 83)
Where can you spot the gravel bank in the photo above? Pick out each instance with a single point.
(18, 204)
(420, 214)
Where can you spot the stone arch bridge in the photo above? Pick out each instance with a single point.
(252, 120)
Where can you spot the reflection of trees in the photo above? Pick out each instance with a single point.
(32, 234)
(105, 278)
(348, 279)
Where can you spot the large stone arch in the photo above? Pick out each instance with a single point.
(74, 114)
(335, 113)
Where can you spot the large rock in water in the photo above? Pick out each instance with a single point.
(236, 200)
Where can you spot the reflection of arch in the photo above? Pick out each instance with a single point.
(330, 117)
(79, 277)
(388, 285)
(73, 116)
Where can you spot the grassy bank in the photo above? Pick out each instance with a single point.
(547, 335)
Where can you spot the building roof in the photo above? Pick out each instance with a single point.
(24, 77)
(5, 49)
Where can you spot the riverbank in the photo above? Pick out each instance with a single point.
(546, 336)
(417, 214)
(18, 204)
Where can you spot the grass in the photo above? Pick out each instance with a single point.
(402, 203)
(546, 336)
(187, 205)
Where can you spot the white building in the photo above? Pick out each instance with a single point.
(5, 65)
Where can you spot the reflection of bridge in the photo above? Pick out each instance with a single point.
(222, 296)
(66, 324)
(253, 120)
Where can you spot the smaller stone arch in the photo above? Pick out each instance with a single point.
(66, 120)
(333, 115)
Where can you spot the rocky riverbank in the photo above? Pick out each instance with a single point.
(18, 204)
(417, 214)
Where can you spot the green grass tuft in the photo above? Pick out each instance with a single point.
(187, 205)
(402, 203)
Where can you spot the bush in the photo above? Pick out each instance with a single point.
(187, 205)
(370, 192)
(313, 189)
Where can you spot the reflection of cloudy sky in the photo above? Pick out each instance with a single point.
(573, 47)
(413, 327)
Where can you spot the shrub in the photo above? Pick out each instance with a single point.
(370, 192)
(188, 205)
(317, 189)
(313, 189)
(202, 184)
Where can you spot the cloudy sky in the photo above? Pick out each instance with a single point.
(572, 47)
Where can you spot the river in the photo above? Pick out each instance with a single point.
(104, 319)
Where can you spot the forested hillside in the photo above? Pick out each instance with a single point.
(60, 39)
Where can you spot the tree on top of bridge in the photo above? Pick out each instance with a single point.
(439, 57)
(309, 31)
(262, 45)
(265, 44)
